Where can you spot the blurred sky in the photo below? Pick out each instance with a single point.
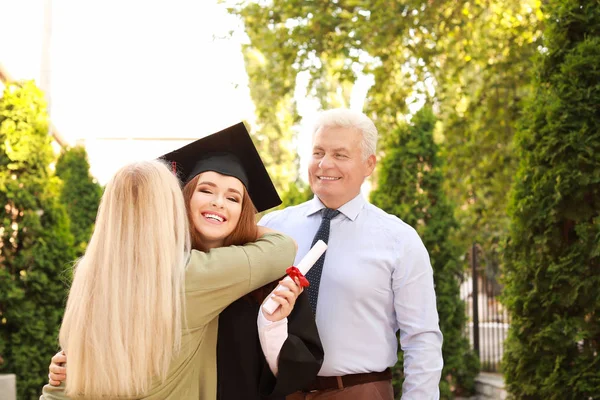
(130, 69)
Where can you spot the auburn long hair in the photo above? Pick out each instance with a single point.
(123, 320)
(245, 231)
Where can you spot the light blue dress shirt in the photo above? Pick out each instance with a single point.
(377, 279)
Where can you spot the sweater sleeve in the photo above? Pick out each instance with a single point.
(50, 392)
(219, 277)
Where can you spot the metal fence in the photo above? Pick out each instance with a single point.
(487, 319)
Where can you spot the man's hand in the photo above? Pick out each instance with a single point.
(285, 298)
(58, 373)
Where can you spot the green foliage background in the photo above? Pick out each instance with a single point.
(553, 255)
(80, 193)
(36, 245)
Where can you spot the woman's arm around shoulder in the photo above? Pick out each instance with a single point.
(217, 278)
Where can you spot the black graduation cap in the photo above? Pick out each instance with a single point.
(228, 152)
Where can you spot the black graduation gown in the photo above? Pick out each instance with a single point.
(242, 370)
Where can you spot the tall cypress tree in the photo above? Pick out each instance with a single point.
(80, 193)
(36, 245)
(553, 255)
(410, 186)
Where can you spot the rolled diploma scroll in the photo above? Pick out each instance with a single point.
(304, 266)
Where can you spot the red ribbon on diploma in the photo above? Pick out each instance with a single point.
(294, 273)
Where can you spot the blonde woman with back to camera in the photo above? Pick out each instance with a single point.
(140, 316)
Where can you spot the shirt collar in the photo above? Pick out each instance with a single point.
(351, 209)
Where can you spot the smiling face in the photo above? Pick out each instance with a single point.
(337, 168)
(215, 207)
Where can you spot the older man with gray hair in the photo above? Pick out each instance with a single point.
(374, 280)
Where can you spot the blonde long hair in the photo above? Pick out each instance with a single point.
(123, 321)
